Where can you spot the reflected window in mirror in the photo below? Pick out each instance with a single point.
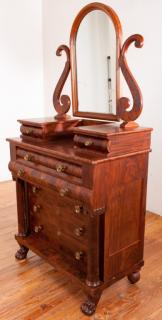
(96, 63)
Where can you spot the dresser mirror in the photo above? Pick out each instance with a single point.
(96, 51)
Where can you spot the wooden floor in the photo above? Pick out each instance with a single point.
(34, 290)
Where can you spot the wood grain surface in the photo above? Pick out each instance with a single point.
(32, 289)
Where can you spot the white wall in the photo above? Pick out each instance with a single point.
(21, 69)
(57, 20)
(137, 16)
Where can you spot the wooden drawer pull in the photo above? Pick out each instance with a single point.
(79, 231)
(29, 131)
(78, 209)
(28, 157)
(88, 143)
(20, 173)
(78, 255)
(35, 189)
(63, 192)
(38, 229)
(61, 168)
(36, 208)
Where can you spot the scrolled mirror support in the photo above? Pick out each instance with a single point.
(62, 103)
(124, 103)
(124, 112)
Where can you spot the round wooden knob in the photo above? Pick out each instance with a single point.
(36, 208)
(37, 229)
(35, 189)
(88, 143)
(28, 157)
(60, 168)
(29, 131)
(63, 192)
(78, 209)
(78, 255)
(20, 173)
(79, 231)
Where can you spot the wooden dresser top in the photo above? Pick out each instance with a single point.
(119, 142)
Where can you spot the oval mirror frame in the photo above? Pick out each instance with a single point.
(73, 59)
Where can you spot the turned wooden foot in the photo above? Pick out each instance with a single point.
(21, 253)
(88, 307)
(134, 277)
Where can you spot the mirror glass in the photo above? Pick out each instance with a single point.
(96, 64)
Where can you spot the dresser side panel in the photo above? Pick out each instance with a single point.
(125, 216)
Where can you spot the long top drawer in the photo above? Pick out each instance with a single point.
(58, 166)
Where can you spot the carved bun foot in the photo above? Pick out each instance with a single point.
(88, 307)
(134, 277)
(21, 253)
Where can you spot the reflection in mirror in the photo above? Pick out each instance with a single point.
(96, 64)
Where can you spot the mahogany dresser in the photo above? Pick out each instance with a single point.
(81, 184)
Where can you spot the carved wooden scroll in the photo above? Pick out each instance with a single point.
(62, 103)
(124, 103)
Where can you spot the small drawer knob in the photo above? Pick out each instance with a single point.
(58, 233)
(35, 189)
(37, 229)
(78, 255)
(60, 168)
(20, 173)
(78, 209)
(29, 131)
(88, 143)
(63, 192)
(36, 208)
(28, 157)
(79, 231)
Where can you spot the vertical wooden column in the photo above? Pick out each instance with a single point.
(143, 205)
(22, 208)
(93, 279)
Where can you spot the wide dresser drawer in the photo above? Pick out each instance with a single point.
(50, 165)
(63, 223)
(46, 180)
